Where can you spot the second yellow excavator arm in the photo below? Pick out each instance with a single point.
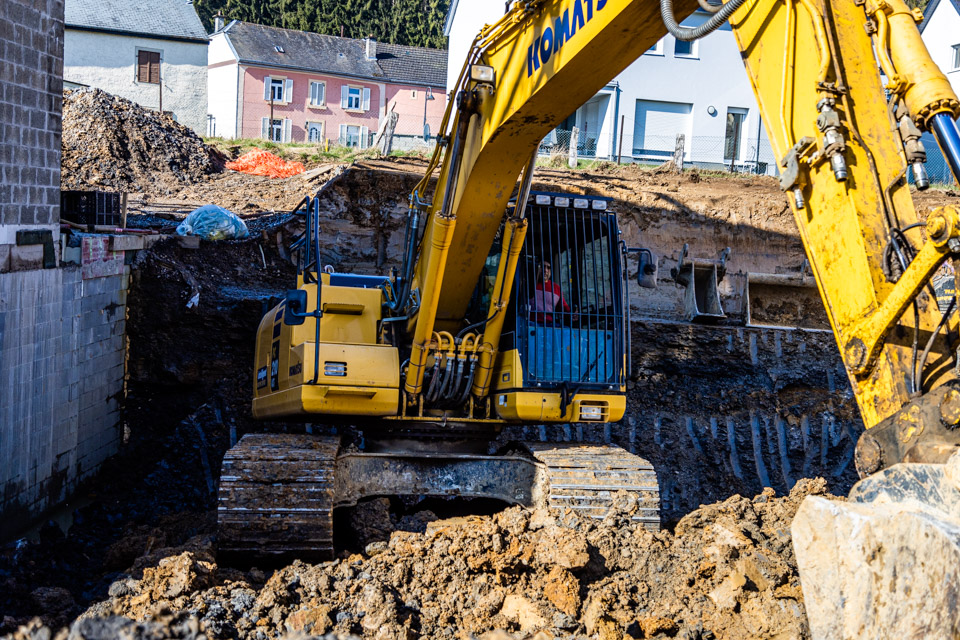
(845, 149)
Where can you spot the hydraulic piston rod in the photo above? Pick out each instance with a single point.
(945, 131)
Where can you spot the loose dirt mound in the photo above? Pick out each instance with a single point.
(111, 142)
(728, 571)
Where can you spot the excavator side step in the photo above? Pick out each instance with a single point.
(278, 492)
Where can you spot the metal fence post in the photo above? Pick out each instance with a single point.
(620, 145)
(572, 155)
(678, 154)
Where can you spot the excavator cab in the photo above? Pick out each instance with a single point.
(568, 304)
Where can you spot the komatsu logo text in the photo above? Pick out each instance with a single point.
(564, 27)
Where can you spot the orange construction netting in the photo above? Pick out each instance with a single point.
(264, 163)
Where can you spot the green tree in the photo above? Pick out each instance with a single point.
(410, 22)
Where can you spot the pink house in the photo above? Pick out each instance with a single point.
(295, 86)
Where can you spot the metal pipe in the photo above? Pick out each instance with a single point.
(945, 131)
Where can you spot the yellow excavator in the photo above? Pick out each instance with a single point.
(510, 306)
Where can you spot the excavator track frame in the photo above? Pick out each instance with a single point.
(278, 492)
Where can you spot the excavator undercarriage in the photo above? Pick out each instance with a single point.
(278, 492)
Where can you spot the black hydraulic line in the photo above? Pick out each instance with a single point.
(466, 390)
(688, 34)
(933, 337)
(434, 377)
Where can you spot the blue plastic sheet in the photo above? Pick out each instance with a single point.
(212, 222)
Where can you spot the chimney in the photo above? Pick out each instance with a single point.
(371, 47)
(218, 22)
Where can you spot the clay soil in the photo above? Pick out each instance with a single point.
(139, 559)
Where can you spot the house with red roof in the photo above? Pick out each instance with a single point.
(294, 86)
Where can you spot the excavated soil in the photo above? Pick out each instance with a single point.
(112, 143)
(726, 572)
(719, 410)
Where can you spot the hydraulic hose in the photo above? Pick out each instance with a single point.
(709, 8)
(688, 34)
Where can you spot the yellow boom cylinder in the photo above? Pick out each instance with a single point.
(514, 233)
(443, 227)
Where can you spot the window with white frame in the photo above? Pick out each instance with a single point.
(683, 49)
(956, 56)
(314, 131)
(276, 89)
(413, 94)
(655, 50)
(734, 133)
(354, 98)
(275, 130)
(318, 93)
(350, 135)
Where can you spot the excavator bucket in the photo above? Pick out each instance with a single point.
(886, 562)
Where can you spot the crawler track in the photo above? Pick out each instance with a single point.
(276, 498)
(588, 479)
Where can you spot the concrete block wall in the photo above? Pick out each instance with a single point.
(31, 88)
(62, 345)
(62, 353)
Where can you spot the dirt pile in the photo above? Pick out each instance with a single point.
(111, 142)
(728, 571)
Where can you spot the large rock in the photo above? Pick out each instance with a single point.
(885, 564)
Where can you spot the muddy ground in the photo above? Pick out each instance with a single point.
(720, 411)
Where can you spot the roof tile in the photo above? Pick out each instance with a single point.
(257, 44)
(170, 18)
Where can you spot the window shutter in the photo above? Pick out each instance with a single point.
(366, 99)
(288, 91)
(343, 134)
(287, 128)
(265, 128)
(266, 88)
(143, 67)
(364, 132)
(154, 67)
(344, 96)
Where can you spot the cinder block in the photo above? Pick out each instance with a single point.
(26, 258)
(126, 242)
(4, 258)
(189, 242)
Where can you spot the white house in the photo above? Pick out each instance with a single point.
(697, 89)
(940, 31)
(153, 52)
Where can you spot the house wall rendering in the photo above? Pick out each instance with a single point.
(223, 86)
(108, 61)
(941, 34)
(700, 90)
(349, 111)
(416, 107)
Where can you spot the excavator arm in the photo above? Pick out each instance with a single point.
(845, 149)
